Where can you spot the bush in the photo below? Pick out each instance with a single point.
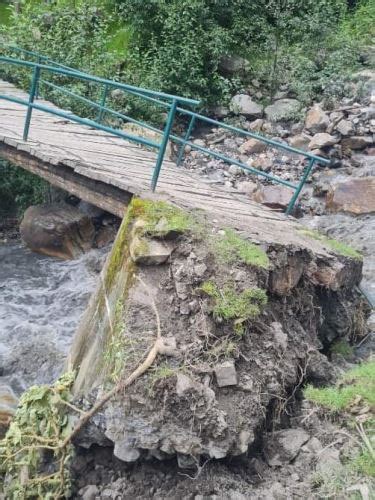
(19, 189)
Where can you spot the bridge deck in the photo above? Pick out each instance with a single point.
(99, 156)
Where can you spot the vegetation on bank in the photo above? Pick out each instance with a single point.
(19, 189)
(181, 46)
(352, 401)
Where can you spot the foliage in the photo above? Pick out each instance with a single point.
(232, 248)
(231, 305)
(359, 381)
(39, 426)
(179, 45)
(19, 189)
(337, 246)
(343, 348)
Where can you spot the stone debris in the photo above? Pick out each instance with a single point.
(282, 447)
(316, 120)
(226, 374)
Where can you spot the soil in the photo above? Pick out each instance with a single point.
(185, 436)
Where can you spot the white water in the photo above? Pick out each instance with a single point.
(41, 301)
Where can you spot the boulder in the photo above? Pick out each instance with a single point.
(358, 142)
(242, 104)
(322, 140)
(345, 127)
(233, 64)
(300, 141)
(355, 196)
(316, 120)
(273, 196)
(283, 109)
(58, 230)
(283, 446)
(253, 146)
(8, 405)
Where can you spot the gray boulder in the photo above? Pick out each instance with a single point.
(242, 104)
(283, 109)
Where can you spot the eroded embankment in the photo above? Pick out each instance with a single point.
(242, 326)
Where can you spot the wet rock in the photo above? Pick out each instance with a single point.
(300, 141)
(283, 446)
(283, 109)
(252, 146)
(149, 252)
(358, 142)
(90, 210)
(273, 196)
(104, 236)
(58, 230)
(243, 104)
(316, 120)
(322, 140)
(355, 196)
(226, 374)
(8, 405)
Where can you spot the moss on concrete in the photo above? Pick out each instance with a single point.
(335, 245)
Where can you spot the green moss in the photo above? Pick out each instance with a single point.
(117, 353)
(161, 218)
(231, 305)
(337, 246)
(357, 382)
(343, 348)
(230, 248)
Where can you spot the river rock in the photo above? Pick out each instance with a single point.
(358, 142)
(58, 230)
(321, 141)
(253, 146)
(283, 446)
(8, 405)
(355, 196)
(273, 196)
(243, 104)
(283, 109)
(316, 120)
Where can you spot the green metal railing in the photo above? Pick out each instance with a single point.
(43, 66)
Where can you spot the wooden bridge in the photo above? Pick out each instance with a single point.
(107, 166)
(107, 171)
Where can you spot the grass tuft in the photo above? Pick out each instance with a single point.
(359, 381)
(230, 248)
(231, 305)
(335, 245)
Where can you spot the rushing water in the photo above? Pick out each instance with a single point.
(41, 301)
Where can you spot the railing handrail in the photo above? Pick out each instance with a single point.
(102, 81)
(156, 98)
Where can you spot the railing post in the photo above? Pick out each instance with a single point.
(39, 61)
(33, 90)
(186, 138)
(300, 186)
(102, 104)
(164, 144)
